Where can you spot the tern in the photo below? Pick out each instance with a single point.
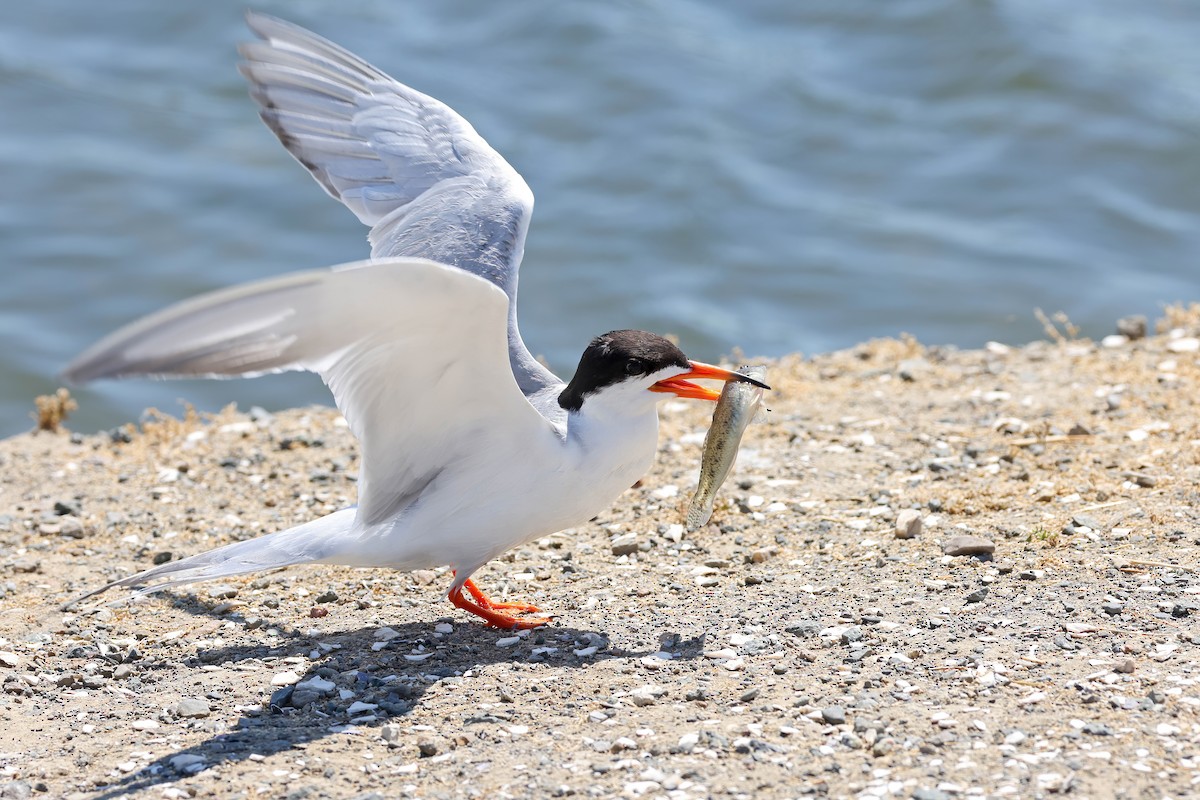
(470, 447)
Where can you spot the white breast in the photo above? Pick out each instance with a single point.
(476, 510)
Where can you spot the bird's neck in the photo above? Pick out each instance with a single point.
(616, 435)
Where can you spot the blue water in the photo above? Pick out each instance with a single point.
(771, 175)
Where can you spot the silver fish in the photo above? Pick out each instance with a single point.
(734, 412)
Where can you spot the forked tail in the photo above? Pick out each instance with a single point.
(312, 541)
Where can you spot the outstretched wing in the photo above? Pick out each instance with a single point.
(406, 345)
(406, 165)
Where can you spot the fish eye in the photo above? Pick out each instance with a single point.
(634, 366)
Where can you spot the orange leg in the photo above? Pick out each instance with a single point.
(492, 611)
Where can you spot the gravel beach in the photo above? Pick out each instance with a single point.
(934, 573)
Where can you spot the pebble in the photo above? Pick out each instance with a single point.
(909, 524)
(317, 684)
(625, 544)
(1125, 666)
(144, 725)
(850, 634)
(192, 708)
(1184, 344)
(1132, 327)
(9, 659)
(1141, 479)
(646, 695)
(925, 793)
(391, 734)
(285, 678)
(834, 715)
(968, 545)
(977, 596)
(187, 763)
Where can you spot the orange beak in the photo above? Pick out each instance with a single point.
(682, 388)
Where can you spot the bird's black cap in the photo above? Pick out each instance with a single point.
(616, 356)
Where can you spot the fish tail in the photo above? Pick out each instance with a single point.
(698, 515)
(312, 541)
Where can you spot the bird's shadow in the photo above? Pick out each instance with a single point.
(389, 674)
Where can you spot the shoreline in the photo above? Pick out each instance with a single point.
(817, 637)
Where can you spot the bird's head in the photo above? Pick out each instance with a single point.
(633, 368)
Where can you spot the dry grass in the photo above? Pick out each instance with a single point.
(53, 410)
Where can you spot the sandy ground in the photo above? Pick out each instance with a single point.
(796, 646)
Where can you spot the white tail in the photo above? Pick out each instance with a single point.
(312, 541)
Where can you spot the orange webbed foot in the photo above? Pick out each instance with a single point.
(492, 611)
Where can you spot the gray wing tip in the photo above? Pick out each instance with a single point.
(80, 371)
(262, 24)
(132, 581)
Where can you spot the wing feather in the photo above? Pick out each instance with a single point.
(406, 164)
(412, 350)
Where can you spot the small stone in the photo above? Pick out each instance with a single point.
(16, 790)
(625, 544)
(924, 793)
(317, 684)
(834, 715)
(623, 743)
(187, 763)
(27, 565)
(328, 596)
(909, 524)
(162, 557)
(391, 734)
(1132, 327)
(222, 592)
(968, 545)
(285, 678)
(68, 525)
(427, 748)
(145, 725)
(1184, 344)
(977, 596)
(9, 659)
(646, 695)
(1112, 608)
(748, 695)
(64, 507)
(192, 708)
(1125, 666)
(759, 556)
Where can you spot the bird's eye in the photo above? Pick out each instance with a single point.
(634, 367)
